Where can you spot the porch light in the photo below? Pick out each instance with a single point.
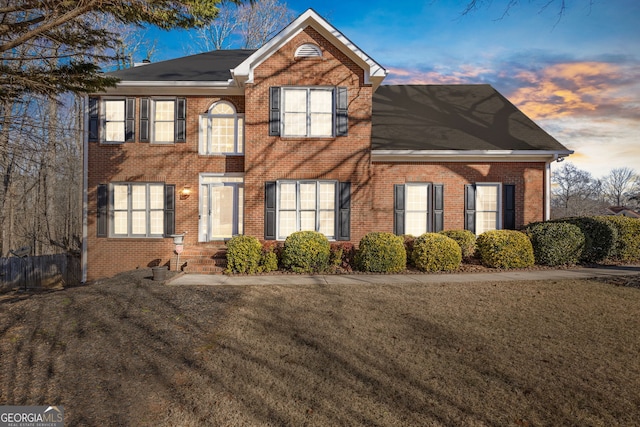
(185, 192)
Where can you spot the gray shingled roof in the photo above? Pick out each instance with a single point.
(204, 67)
(452, 117)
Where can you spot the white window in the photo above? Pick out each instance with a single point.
(307, 112)
(487, 207)
(306, 206)
(137, 210)
(114, 120)
(417, 212)
(221, 130)
(163, 115)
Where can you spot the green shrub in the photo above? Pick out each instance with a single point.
(505, 249)
(436, 252)
(599, 237)
(306, 252)
(627, 246)
(268, 260)
(243, 255)
(465, 239)
(381, 253)
(556, 243)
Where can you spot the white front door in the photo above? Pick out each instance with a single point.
(221, 208)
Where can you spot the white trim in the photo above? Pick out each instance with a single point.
(174, 88)
(374, 72)
(466, 155)
(547, 191)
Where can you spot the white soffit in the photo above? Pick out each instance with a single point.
(467, 155)
(374, 72)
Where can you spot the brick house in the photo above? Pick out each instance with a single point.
(299, 134)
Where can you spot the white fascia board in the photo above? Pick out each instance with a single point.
(467, 155)
(175, 88)
(374, 72)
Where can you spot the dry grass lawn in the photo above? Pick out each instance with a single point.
(129, 351)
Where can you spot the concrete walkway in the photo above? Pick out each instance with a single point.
(352, 279)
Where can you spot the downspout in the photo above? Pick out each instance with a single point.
(547, 188)
(85, 183)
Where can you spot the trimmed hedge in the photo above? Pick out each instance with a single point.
(599, 237)
(243, 255)
(556, 243)
(505, 249)
(268, 260)
(436, 252)
(465, 239)
(306, 252)
(381, 252)
(627, 245)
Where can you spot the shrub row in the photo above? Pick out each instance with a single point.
(565, 241)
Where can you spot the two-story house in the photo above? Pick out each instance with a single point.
(298, 135)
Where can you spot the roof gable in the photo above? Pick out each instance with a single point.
(374, 72)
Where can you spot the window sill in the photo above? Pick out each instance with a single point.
(221, 154)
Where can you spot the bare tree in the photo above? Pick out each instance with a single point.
(574, 192)
(249, 26)
(619, 184)
(559, 6)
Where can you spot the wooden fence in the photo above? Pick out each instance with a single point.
(37, 272)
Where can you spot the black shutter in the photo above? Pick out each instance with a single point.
(470, 207)
(94, 120)
(270, 210)
(101, 220)
(438, 207)
(130, 120)
(398, 209)
(342, 117)
(181, 120)
(169, 210)
(274, 111)
(144, 119)
(344, 211)
(509, 221)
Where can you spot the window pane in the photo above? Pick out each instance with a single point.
(114, 110)
(222, 135)
(120, 196)
(321, 101)
(222, 212)
(308, 221)
(165, 110)
(327, 223)
(295, 124)
(164, 132)
(417, 198)
(240, 132)
(416, 223)
(240, 210)
(138, 196)
(287, 195)
(157, 222)
(321, 124)
(485, 221)
(139, 222)
(156, 197)
(308, 195)
(286, 223)
(120, 222)
(327, 195)
(222, 108)
(114, 131)
(295, 100)
(487, 197)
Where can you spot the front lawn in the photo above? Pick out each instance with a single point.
(129, 351)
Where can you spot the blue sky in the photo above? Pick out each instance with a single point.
(577, 77)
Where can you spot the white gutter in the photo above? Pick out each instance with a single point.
(160, 88)
(467, 155)
(85, 183)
